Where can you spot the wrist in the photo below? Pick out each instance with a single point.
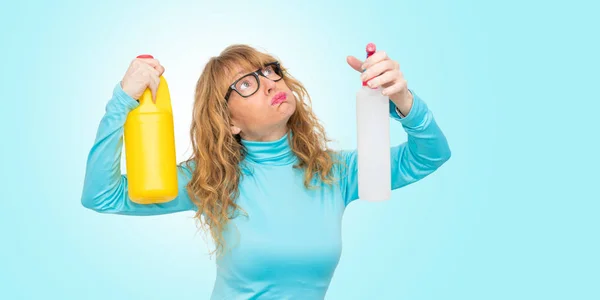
(400, 113)
(404, 105)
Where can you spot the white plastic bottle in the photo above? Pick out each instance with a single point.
(373, 138)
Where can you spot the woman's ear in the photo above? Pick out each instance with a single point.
(235, 130)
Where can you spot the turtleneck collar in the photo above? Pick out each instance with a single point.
(276, 152)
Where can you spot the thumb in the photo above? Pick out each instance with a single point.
(154, 82)
(355, 63)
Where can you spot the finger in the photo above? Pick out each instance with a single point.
(153, 85)
(373, 59)
(151, 70)
(145, 73)
(397, 87)
(355, 63)
(377, 69)
(159, 68)
(386, 79)
(154, 63)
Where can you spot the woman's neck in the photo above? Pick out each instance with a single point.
(272, 135)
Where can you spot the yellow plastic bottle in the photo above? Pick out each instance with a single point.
(150, 148)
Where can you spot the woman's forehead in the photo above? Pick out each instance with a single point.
(240, 69)
(236, 73)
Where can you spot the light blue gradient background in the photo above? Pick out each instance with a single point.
(514, 86)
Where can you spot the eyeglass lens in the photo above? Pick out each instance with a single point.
(248, 84)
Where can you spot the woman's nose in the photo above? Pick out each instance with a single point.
(268, 84)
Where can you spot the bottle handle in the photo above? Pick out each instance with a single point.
(163, 96)
(147, 95)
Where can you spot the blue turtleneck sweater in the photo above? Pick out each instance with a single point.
(289, 244)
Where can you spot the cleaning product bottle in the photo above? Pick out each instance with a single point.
(150, 148)
(373, 138)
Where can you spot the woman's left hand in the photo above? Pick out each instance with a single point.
(380, 70)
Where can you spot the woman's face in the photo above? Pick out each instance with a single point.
(264, 107)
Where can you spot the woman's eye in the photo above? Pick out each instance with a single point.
(245, 84)
(268, 70)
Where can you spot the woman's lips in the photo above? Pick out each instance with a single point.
(278, 98)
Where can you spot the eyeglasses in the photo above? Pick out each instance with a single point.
(250, 83)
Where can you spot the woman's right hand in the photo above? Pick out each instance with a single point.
(142, 73)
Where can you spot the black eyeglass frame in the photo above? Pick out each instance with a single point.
(255, 74)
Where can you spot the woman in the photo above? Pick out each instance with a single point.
(261, 176)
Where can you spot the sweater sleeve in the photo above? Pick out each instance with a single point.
(104, 187)
(425, 151)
